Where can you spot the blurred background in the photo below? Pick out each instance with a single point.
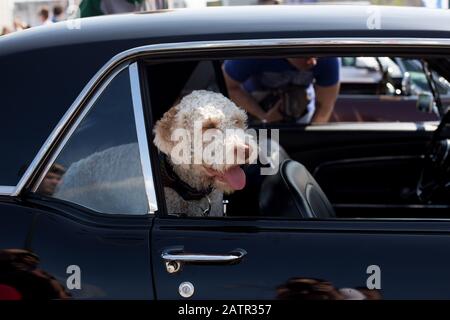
(16, 15)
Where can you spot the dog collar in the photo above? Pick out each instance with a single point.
(171, 180)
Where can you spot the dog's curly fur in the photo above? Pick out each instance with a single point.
(214, 111)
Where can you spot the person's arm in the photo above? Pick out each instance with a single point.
(242, 98)
(326, 73)
(325, 99)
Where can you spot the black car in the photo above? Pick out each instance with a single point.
(72, 91)
(384, 89)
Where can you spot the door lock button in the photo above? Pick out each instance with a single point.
(186, 289)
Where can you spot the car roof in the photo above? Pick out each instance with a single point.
(47, 67)
(242, 21)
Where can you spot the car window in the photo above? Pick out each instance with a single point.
(415, 69)
(320, 89)
(99, 167)
(384, 89)
(335, 167)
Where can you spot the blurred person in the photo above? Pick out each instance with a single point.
(298, 89)
(90, 8)
(268, 2)
(51, 180)
(58, 13)
(291, 2)
(20, 25)
(352, 294)
(308, 289)
(300, 288)
(6, 30)
(370, 294)
(44, 15)
(22, 279)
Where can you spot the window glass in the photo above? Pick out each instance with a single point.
(202, 78)
(382, 89)
(318, 89)
(100, 166)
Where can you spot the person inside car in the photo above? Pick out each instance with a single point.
(298, 89)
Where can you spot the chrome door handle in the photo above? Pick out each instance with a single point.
(175, 257)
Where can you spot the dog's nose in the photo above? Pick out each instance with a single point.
(244, 151)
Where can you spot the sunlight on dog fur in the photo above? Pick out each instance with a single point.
(217, 113)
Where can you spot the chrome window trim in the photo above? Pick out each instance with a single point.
(142, 138)
(374, 126)
(392, 206)
(6, 190)
(204, 46)
(75, 125)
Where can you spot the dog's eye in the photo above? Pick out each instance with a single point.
(239, 122)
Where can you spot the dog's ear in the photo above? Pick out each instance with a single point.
(163, 131)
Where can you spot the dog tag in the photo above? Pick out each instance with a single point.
(225, 202)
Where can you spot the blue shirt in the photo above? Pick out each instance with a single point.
(263, 75)
(266, 74)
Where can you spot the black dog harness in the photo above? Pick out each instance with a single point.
(171, 180)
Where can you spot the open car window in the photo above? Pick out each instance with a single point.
(375, 169)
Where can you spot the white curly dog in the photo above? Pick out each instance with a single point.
(195, 188)
(111, 180)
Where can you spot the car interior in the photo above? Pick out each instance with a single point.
(390, 162)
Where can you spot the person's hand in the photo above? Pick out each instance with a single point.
(273, 114)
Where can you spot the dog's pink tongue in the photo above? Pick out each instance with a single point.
(235, 177)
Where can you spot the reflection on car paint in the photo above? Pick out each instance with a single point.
(21, 279)
(302, 288)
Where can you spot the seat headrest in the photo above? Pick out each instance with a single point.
(293, 192)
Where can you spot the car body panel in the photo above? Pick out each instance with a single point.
(14, 233)
(336, 252)
(112, 255)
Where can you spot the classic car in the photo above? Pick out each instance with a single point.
(372, 87)
(71, 92)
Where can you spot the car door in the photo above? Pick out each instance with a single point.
(249, 257)
(93, 201)
(294, 259)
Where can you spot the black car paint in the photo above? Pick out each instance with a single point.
(113, 253)
(412, 256)
(120, 256)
